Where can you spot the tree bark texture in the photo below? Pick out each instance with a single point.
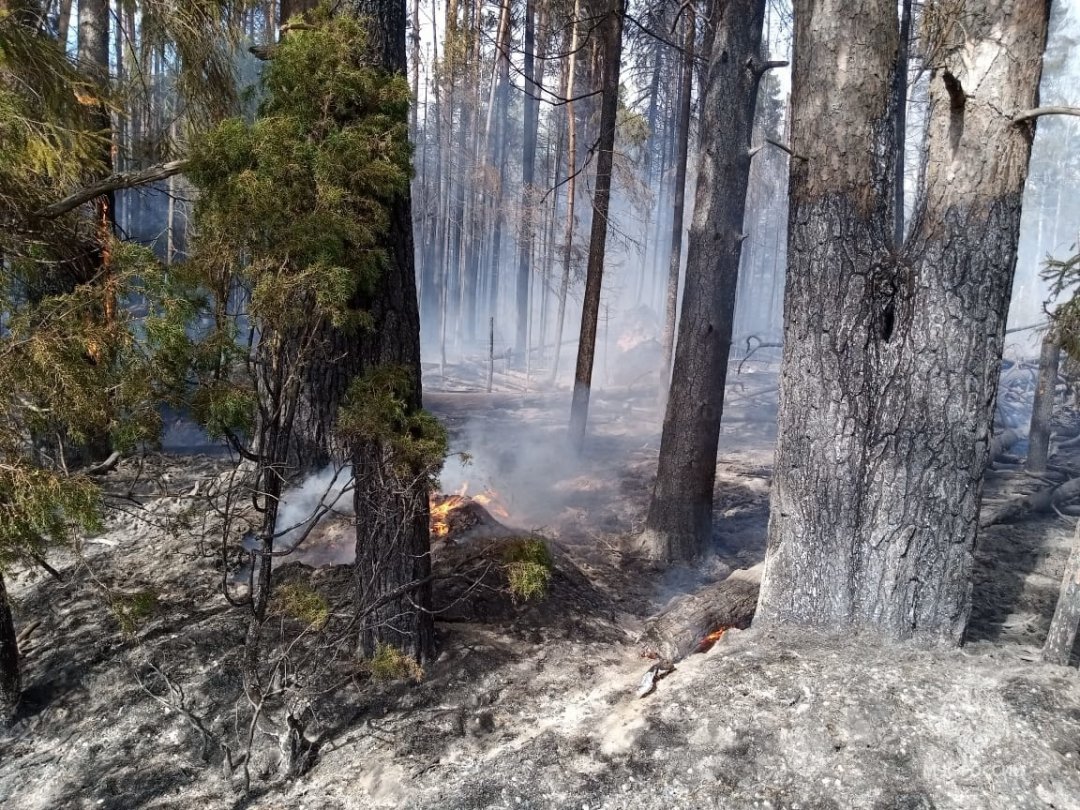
(594, 273)
(393, 550)
(679, 523)
(1042, 409)
(10, 677)
(891, 359)
(1062, 636)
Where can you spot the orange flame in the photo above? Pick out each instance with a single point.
(442, 505)
(709, 640)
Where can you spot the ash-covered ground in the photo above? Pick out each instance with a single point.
(534, 705)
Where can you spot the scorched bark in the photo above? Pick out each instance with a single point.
(891, 358)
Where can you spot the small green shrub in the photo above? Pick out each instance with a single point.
(391, 664)
(528, 567)
(132, 610)
(302, 603)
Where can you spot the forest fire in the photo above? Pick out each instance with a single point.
(709, 640)
(444, 509)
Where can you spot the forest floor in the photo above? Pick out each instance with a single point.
(534, 705)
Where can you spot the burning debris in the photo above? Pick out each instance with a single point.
(456, 514)
(711, 639)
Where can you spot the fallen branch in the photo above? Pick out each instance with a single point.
(1042, 500)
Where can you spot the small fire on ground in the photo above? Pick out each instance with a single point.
(709, 640)
(443, 505)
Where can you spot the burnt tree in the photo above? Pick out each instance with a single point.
(594, 273)
(1042, 409)
(1062, 636)
(679, 523)
(891, 357)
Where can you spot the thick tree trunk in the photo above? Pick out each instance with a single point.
(1042, 409)
(393, 562)
(679, 524)
(671, 296)
(882, 446)
(594, 274)
(1062, 636)
(10, 676)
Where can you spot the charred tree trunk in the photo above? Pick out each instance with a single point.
(671, 296)
(882, 448)
(594, 274)
(10, 675)
(679, 524)
(1042, 409)
(1062, 636)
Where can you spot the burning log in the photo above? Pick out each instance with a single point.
(453, 516)
(688, 624)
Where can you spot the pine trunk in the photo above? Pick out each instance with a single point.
(882, 446)
(594, 274)
(671, 296)
(528, 177)
(393, 562)
(679, 523)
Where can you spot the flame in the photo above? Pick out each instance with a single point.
(441, 506)
(713, 637)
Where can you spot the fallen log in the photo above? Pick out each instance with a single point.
(1003, 441)
(677, 632)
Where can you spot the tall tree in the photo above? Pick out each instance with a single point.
(679, 524)
(594, 273)
(528, 176)
(393, 555)
(10, 673)
(891, 358)
(686, 92)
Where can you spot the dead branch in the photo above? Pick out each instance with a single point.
(113, 182)
(1036, 112)
(1042, 500)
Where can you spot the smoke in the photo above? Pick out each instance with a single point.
(323, 495)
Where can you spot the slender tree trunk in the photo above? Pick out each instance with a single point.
(571, 189)
(683, 135)
(1042, 409)
(531, 122)
(882, 449)
(10, 675)
(679, 523)
(1062, 636)
(594, 274)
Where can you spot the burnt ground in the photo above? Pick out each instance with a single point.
(533, 705)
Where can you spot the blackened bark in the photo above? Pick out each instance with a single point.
(1042, 409)
(594, 274)
(10, 676)
(679, 524)
(891, 360)
(1062, 636)
(671, 296)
